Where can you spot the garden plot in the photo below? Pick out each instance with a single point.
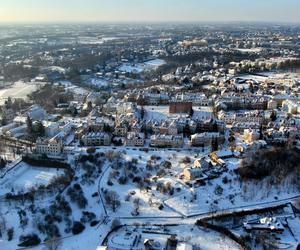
(23, 177)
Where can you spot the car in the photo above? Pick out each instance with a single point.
(132, 192)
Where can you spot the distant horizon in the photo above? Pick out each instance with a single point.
(149, 11)
(148, 22)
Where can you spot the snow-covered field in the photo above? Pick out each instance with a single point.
(161, 113)
(158, 113)
(140, 67)
(271, 75)
(17, 90)
(99, 82)
(155, 63)
(23, 177)
(253, 50)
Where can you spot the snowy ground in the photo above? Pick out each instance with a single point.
(174, 206)
(234, 195)
(140, 67)
(271, 75)
(192, 235)
(161, 113)
(99, 82)
(288, 239)
(17, 90)
(24, 176)
(90, 238)
(158, 113)
(145, 209)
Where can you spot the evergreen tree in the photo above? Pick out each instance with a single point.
(39, 128)
(89, 106)
(261, 136)
(3, 119)
(8, 103)
(191, 112)
(142, 112)
(215, 127)
(29, 125)
(273, 116)
(214, 144)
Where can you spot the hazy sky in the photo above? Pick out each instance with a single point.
(149, 10)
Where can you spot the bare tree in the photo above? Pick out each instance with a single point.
(137, 203)
(150, 202)
(112, 199)
(115, 223)
(2, 225)
(53, 244)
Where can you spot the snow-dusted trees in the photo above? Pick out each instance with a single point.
(115, 223)
(2, 225)
(136, 204)
(10, 233)
(53, 244)
(76, 194)
(112, 199)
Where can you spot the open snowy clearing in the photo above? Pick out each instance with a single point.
(17, 90)
(140, 67)
(23, 177)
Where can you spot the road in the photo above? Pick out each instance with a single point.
(100, 191)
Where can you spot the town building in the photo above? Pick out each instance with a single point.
(135, 139)
(166, 141)
(206, 138)
(180, 107)
(49, 147)
(96, 139)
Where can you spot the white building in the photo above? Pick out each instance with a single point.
(52, 147)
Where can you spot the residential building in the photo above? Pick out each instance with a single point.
(180, 107)
(50, 147)
(135, 139)
(166, 141)
(96, 139)
(205, 139)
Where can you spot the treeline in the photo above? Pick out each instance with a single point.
(49, 96)
(277, 162)
(224, 231)
(46, 162)
(290, 65)
(15, 72)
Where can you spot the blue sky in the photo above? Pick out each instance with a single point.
(149, 10)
